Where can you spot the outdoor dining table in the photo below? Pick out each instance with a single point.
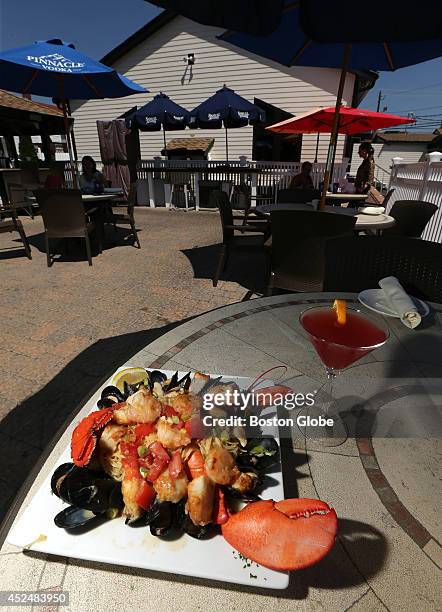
(380, 542)
(363, 221)
(351, 198)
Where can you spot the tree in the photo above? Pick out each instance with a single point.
(27, 150)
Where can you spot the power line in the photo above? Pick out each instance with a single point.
(405, 110)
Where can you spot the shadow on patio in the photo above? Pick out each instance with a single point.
(249, 270)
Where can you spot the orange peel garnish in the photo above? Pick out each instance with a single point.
(340, 307)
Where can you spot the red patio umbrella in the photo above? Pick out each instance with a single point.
(351, 121)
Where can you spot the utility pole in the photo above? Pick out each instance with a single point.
(380, 98)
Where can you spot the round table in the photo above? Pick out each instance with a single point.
(347, 197)
(363, 221)
(388, 531)
(87, 197)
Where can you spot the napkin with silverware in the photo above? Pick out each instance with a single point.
(372, 210)
(399, 301)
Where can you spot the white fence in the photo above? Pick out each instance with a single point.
(264, 178)
(420, 181)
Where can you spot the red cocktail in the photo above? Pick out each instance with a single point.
(339, 345)
(340, 337)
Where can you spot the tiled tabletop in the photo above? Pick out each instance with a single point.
(386, 491)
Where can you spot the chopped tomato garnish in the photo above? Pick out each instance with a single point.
(168, 411)
(176, 465)
(158, 450)
(130, 454)
(143, 430)
(156, 469)
(145, 495)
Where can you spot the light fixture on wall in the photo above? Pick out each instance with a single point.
(189, 60)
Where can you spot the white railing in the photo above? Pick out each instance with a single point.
(420, 181)
(264, 178)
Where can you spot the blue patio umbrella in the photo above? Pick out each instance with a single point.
(160, 113)
(56, 69)
(329, 34)
(225, 108)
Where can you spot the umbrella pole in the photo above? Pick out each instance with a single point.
(334, 134)
(317, 148)
(68, 140)
(165, 145)
(227, 146)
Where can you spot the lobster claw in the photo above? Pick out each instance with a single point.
(286, 535)
(85, 435)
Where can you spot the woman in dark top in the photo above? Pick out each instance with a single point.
(303, 180)
(365, 174)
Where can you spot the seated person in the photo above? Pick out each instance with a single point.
(90, 178)
(55, 177)
(304, 179)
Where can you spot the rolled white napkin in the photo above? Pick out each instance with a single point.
(372, 210)
(399, 301)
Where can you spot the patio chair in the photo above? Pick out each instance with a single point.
(128, 218)
(297, 196)
(64, 216)
(234, 237)
(17, 198)
(354, 264)
(13, 224)
(298, 242)
(411, 217)
(179, 184)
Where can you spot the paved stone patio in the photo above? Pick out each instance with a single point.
(65, 328)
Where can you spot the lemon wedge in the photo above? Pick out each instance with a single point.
(131, 376)
(341, 313)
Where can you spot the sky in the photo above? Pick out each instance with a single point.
(97, 26)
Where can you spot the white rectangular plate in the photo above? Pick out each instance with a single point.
(113, 542)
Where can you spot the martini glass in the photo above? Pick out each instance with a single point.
(339, 346)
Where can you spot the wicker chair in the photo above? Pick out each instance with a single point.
(354, 264)
(298, 241)
(128, 218)
(13, 224)
(231, 240)
(64, 217)
(411, 217)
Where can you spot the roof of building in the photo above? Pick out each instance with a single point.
(190, 144)
(9, 100)
(404, 137)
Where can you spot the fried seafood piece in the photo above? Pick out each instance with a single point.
(244, 482)
(185, 404)
(200, 500)
(141, 407)
(108, 450)
(220, 466)
(130, 489)
(171, 436)
(171, 489)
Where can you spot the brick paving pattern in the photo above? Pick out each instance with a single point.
(65, 328)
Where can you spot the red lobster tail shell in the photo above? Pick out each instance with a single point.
(85, 435)
(287, 535)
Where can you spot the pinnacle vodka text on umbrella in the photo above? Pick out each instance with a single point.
(55, 62)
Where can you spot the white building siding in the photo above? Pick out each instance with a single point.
(157, 64)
